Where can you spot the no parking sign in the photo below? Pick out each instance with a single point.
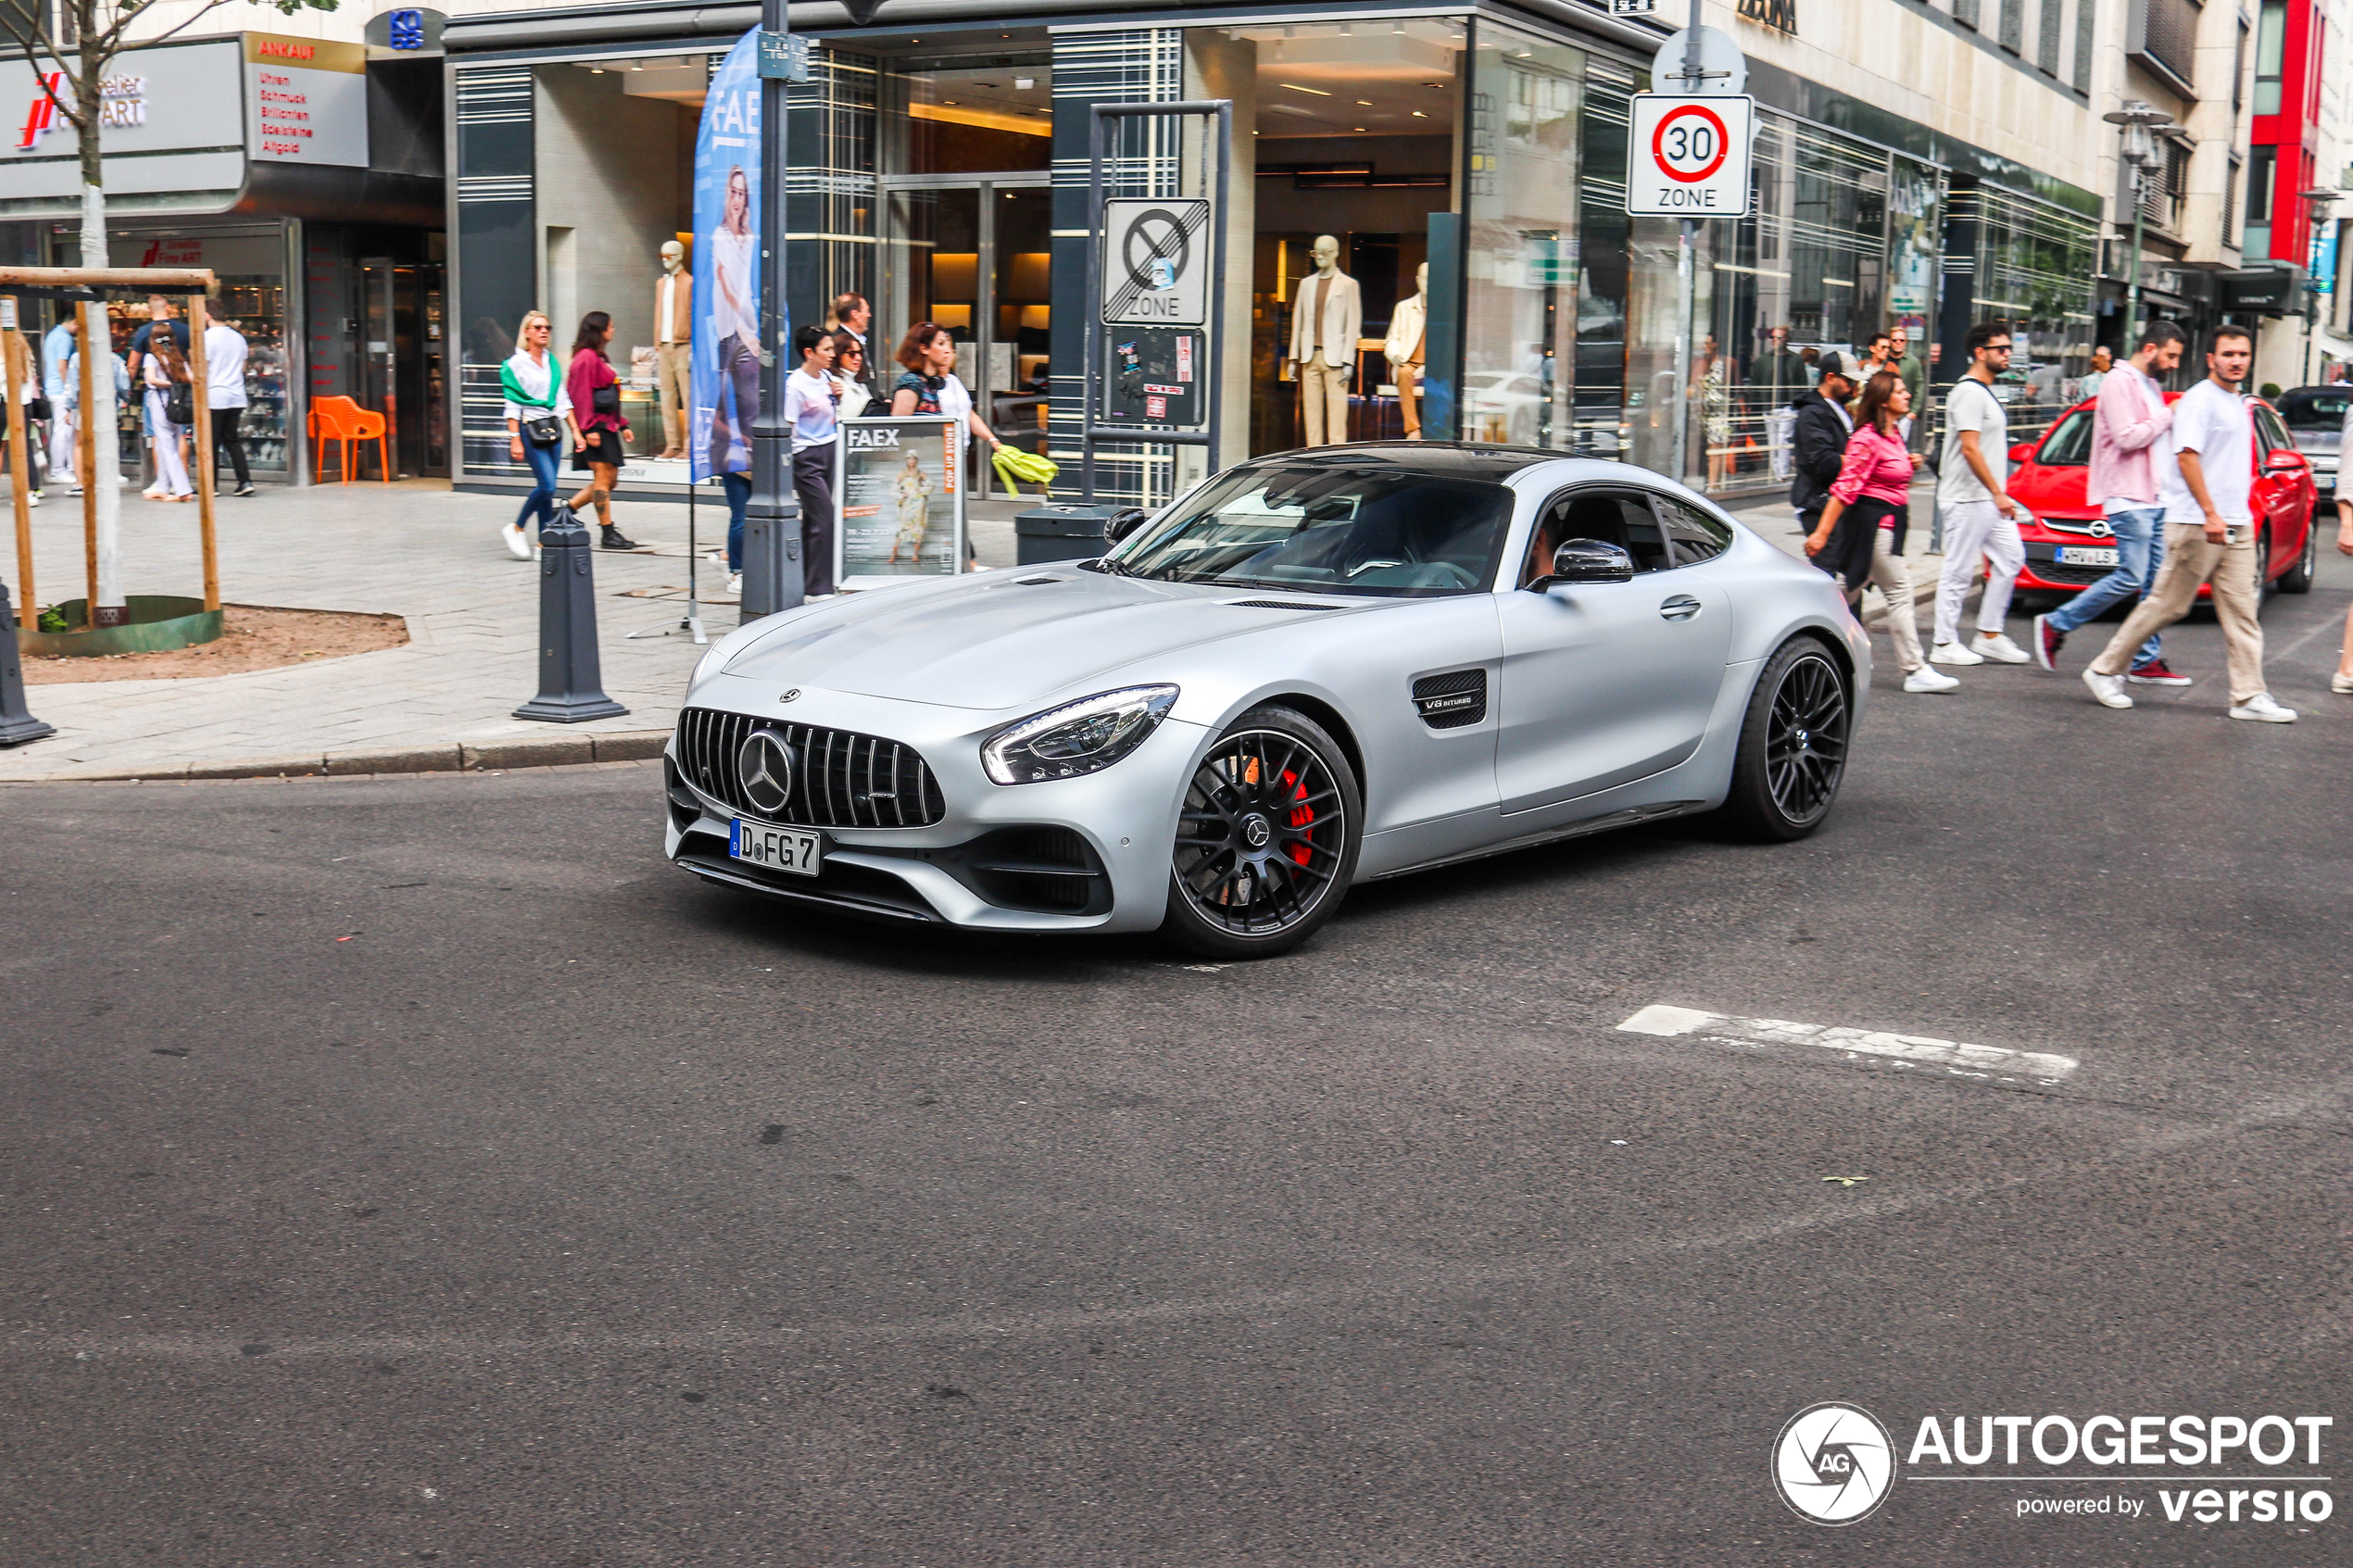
(1688, 155)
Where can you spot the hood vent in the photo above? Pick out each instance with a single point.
(1277, 604)
(1452, 701)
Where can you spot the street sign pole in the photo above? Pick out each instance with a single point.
(1686, 283)
(773, 571)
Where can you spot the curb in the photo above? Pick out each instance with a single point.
(455, 757)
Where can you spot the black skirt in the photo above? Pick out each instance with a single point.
(603, 446)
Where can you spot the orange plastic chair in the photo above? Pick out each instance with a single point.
(341, 420)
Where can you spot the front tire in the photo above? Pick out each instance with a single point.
(1267, 838)
(1793, 744)
(2297, 579)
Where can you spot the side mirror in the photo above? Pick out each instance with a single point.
(1123, 523)
(2284, 461)
(1589, 560)
(2022, 454)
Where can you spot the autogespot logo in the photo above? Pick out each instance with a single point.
(1835, 1463)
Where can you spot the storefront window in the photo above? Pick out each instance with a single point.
(1520, 271)
(2035, 266)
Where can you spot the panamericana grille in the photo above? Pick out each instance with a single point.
(840, 779)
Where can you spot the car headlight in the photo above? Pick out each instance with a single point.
(1079, 737)
(704, 666)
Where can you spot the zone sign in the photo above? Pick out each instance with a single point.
(1688, 157)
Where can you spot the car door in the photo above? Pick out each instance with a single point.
(2279, 476)
(1606, 683)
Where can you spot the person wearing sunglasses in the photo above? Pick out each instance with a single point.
(1980, 520)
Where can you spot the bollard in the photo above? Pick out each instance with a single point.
(772, 576)
(570, 687)
(16, 725)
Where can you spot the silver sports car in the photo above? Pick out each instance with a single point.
(1314, 669)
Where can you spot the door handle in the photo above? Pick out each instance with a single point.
(1678, 606)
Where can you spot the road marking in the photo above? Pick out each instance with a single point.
(1953, 1056)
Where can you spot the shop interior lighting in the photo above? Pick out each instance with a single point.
(1297, 88)
(1363, 103)
(1023, 83)
(1418, 115)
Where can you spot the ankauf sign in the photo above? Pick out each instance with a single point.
(306, 100)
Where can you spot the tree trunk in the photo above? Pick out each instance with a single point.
(104, 480)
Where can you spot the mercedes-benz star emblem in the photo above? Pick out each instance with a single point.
(764, 764)
(1256, 830)
(790, 695)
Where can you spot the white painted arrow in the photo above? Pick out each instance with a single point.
(1965, 1059)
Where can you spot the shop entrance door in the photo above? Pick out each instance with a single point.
(974, 256)
(401, 367)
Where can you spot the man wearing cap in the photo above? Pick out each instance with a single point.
(1818, 436)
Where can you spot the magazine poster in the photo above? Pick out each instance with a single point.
(899, 498)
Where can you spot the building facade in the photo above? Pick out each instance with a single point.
(1922, 163)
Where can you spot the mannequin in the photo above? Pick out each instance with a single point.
(674, 345)
(1406, 351)
(1327, 319)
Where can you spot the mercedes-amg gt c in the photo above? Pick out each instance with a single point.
(1314, 669)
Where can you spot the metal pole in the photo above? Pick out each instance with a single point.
(2132, 264)
(1088, 344)
(773, 567)
(1213, 368)
(1686, 287)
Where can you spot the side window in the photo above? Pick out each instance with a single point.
(1614, 517)
(2274, 435)
(1696, 536)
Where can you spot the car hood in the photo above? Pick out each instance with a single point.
(2323, 442)
(1002, 639)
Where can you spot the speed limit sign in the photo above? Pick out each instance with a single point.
(1688, 157)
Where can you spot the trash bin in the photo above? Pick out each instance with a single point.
(1056, 532)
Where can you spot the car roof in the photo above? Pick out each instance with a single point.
(1456, 459)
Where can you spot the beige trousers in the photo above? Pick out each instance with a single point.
(674, 373)
(2190, 561)
(1408, 378)
(1323, 401)
(1891, 578)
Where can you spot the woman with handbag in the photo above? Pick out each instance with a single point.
(591, 384)
(172, 413)
(1861, 537)
(537, 410)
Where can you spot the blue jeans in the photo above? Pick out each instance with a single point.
(738, 488)
(2140, 550)
(541, 502)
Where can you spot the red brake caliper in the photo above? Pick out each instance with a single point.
(1301, 816)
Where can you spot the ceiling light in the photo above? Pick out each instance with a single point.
(636, 65)
(1396, 27)
(1363, 103)
(1297, 88)
(1356, 128)
(1023, 83)
(1439, 84)
(1418, 115)
(950, 102)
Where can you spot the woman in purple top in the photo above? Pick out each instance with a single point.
(594, 392)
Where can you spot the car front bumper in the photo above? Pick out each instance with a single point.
(1126, 814)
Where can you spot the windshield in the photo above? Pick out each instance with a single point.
(2069, 442)
(1370, 530)
(2316, 407)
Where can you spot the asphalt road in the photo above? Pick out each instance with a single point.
(423, 1170)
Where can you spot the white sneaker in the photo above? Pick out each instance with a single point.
(1953, 653)
(1998, 646)
(2261, 710)
(518, 541)
(33, 497)
(1927, 680)
(2107, 690)
(2341, 684)
(734, 582)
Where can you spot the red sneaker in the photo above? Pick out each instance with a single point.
(2156, 673)
(2046, 643)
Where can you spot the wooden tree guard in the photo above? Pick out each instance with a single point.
(202, 402)
(21, 473)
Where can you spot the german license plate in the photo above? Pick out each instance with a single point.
(780, 850)
(2087, 555)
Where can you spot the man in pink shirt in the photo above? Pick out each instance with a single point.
(2129, 426)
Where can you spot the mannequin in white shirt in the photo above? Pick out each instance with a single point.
(1407, 353)
(674, 345)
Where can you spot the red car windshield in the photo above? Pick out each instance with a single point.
(2069, 442)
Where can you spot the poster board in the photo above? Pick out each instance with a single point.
(898, 500)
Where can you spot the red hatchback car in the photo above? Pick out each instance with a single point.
(2066, 540)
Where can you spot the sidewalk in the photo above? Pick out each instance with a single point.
(416, 549)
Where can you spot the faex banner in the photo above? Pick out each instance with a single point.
(725, 395)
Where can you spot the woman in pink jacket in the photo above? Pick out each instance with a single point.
(1872, 499)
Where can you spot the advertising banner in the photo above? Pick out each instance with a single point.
(724, 396)
(306, 100)
(901, 511)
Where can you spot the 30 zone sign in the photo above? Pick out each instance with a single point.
(1688, 156)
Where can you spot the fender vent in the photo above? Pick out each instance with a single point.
(1277, 604)
(1452, 701)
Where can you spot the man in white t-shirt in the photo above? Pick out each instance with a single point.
(1980, 520)
(2210, 526)
(224, 374)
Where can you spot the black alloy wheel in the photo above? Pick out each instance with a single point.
(1793, 744)
(1266, 837)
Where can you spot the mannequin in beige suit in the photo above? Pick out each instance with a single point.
(1328, 316)
(674, 345)
(1406, 351)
